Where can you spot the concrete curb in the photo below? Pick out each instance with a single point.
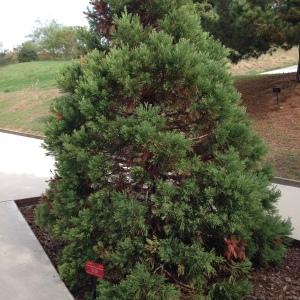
(39, 137)
(285, 181)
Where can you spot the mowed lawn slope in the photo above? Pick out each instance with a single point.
(26, 91)
(279, 59)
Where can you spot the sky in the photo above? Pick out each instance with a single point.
(18, 17)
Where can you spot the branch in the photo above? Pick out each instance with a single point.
(199, 138)
(182, 285)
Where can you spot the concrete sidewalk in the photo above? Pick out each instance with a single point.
(24, 167)
(26, 272)
(289, 206)
(291, 69)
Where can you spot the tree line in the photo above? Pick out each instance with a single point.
(49, 40)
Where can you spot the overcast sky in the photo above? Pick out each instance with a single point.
(17, 17)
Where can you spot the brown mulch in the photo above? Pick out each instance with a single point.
(280, 283)
(277, 125)
(51, 246)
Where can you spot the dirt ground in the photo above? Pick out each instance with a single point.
(278, 125)
(278, 283)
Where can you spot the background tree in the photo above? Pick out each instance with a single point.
(2, 55)
(251, 28)
(289, 12)
(27, 52)
(59, 40)
(248, 28)
(158, 174)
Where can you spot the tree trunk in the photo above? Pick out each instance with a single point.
(298, 70)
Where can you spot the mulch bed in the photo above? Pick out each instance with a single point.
(278, 125)
(51, 246)
(281, 283)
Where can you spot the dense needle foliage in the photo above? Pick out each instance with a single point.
(158, 175)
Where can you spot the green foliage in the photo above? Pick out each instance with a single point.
(157, 166)
(60, 41)
(289, 12)
(250, 28)
(7, 57)
(230, 290)
(27, 52)
(140, 284)
(265, 247)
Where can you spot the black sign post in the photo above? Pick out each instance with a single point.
(277, 90)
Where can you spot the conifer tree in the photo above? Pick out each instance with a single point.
(250, 28)
(289, 12)
(158, 175)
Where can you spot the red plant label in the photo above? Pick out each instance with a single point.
(94, 269)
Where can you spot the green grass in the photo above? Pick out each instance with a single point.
(248, 77)
(26, 92)
(38, 75)
(278, 59)
(26, 110)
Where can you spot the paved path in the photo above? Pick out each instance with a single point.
(24, 167)
(289, 206)
(291, 69)
(26, 272)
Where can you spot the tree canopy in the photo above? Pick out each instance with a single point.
(58, 40)
(27, 52)
(250, 28)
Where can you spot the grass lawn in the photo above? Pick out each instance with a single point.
(266, 62)
(26, 91)
(38, 75)
(26, 110)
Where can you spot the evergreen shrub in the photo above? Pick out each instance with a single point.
(159, 176)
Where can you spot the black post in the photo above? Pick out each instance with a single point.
(298, 70)
(94, 288)
(276, 90)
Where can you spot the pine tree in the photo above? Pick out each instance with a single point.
(158, 175)
(289, 12)
(250, 28)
